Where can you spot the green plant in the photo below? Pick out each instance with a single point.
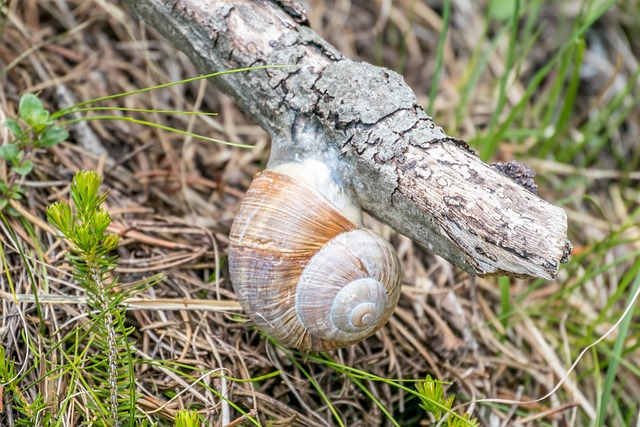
(31, 409)
(186, 418)
(431, 394)
(34, 128)
(111, 369)
(98, 359)
(83, 107)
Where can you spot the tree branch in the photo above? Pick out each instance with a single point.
(402, 168)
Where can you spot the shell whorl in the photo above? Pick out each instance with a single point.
(304, 272)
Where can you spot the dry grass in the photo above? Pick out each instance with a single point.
(173, 199)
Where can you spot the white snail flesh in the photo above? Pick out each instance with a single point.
(305, 273)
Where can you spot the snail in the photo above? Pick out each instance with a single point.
(302, 265)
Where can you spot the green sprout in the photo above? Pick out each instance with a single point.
(85, 227)
(33, 129)
(186, 418)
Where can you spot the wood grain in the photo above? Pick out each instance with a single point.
(401, 167)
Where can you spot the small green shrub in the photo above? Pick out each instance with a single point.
(33, 129)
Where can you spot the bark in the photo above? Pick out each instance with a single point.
(400, 166)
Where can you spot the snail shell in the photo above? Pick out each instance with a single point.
(304, 272)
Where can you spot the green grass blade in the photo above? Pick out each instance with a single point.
(356, 374)
(140, 110)
(490, 144)
(439, 55)
(32, 281)
(618, 347)
(316, 386)
(158, 126)
(572, 90)
(541, 74)
(552, 101)
(73, 108)
(477, 67)
(505, 300)
(379, 404)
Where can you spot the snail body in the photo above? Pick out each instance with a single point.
(305, 271)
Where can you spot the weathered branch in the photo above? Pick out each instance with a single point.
(402, 167)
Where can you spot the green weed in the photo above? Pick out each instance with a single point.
(110, 370)
(34, 128)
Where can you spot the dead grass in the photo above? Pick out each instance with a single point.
(173, 199)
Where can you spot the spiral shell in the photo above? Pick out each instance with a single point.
(304, 272)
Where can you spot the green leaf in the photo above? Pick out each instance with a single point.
(9, 152)
(14, 128)
(60, 216)
(17, 189)
(101, 220)
(84, 191)
(52, 136)
(111, 242)
(24, 168)
(186, 418)
(501, 10)
(432, 396)
(3, 202)
(11, 211)
(84, 238)
(32, 111)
